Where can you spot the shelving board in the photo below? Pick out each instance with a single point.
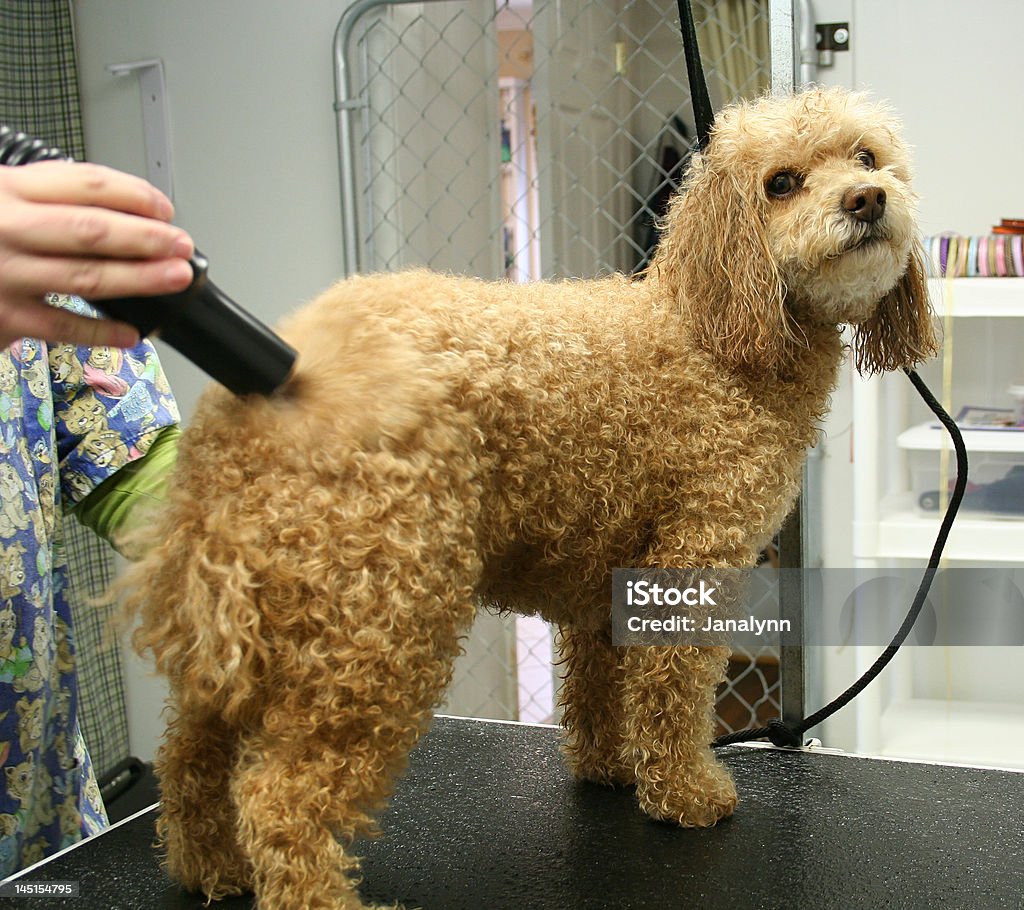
(979, 297)
(931, 438)
(909, 535)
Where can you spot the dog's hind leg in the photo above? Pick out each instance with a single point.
(591, 698)
(669, 700)
(198, 823)
(358, 667)
(306, 788)
(286, 791)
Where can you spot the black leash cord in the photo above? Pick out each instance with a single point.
(783, 735)
(703, 113)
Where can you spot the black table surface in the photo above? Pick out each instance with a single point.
(488, 816)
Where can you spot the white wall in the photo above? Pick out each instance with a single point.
(952, 69)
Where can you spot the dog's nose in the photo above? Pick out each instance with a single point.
(865, 202)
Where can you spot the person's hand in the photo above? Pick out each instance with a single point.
(88, 230)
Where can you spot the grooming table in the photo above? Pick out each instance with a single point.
(488, 816)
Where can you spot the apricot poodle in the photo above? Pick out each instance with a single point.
(448, 441)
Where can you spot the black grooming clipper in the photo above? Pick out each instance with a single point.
(201, 322)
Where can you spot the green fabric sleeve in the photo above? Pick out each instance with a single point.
(111, 510)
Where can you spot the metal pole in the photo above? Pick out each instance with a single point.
(791, 538)
(792, 667)
(783, 46)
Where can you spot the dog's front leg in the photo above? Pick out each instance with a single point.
(668, 704)
(591, 698)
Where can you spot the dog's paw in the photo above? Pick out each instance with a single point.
(213, 877)
(608, 772)
(213, 887)
(691, 799)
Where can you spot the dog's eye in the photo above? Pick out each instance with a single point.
(866, 158)
(783, 183)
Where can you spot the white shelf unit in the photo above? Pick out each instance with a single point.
(979, 297)
(903, 532)
(888, 530)
(886, 524)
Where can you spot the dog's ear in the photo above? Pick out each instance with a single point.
(714, 259)
(901, 332)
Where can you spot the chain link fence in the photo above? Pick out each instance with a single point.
(530, 141)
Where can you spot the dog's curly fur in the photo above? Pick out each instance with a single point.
(447, 440)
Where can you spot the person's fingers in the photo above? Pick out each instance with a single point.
(96, 279)
(87, 231)
(32, 318)
(76, 183)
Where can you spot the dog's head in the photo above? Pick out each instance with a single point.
(800, 214)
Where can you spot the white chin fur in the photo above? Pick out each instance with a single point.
(846, 289)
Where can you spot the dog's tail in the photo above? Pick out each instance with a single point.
(196, 591)
(194, 597)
